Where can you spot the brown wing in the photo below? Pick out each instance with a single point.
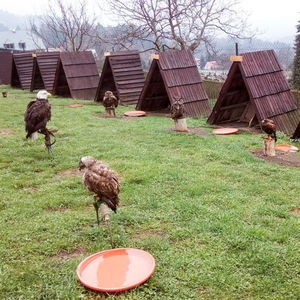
(104, 182)
(116, 101)
(37, 115)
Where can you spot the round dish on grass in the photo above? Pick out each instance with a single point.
(225, 131)
(116, 270)
(75, 105)
(286, 148)
(135, 113)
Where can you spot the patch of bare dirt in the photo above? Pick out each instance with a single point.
(195, 130)
(295, 211)
(282, 158)
(149, 233)
(66, 255)
(6, 132)
(70, 172)
(31, 188)
(104, 116)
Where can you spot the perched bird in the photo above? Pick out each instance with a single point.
(110, 102)
(4, 94)
(37, 114)
(177, 109)
(269, 127)
(100, 179)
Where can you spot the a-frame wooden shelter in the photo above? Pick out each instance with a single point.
(256, 89)
(44, 71)
(22, 67)
(77, 75)
(122, 73)
(174, 74)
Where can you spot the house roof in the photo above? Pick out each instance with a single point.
(178, 77)
(261, 75)
(123, 74)
(81, 73)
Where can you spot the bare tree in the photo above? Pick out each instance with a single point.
(66, 27)
(183, 24)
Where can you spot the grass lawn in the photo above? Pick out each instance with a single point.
(216, 218)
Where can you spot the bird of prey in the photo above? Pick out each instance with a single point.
(100, 179)
(177, 109)
(37, 114)
(269, 127)
(110, 102)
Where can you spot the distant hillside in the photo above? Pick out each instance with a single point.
(12, 21)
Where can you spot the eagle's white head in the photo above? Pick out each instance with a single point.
(86, 162)
(43, 95)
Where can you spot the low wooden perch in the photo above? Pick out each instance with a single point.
(269, 146)
(110, 111)
(104, 211)
(180, 125)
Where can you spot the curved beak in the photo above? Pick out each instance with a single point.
(49, 94)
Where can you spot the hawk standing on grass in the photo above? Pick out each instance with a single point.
(100, 179)
(37, 115)
(269, 127)
(110, 102)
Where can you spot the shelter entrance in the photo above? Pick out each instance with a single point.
(61, 86)
(236, 105)
(156, 97)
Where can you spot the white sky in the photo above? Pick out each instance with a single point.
(275, 19)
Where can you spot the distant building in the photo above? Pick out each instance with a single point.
(211, 65)
(19, 40)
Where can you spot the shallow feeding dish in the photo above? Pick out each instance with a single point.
(116, 270)
(75, 105)
(286, 148)
(225, 131)
(135, 113)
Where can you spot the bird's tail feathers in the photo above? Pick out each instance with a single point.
(32, 136)
(274, 136)
(111, 203)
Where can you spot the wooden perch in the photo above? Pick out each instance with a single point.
(269, 146)
(180, 125)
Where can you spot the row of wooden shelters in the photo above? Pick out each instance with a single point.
(69, 74)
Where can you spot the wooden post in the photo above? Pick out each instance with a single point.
(110, 111)
(269, 146)
(180, 125)
(104, 210)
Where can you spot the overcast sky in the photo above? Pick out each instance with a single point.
(274, 19)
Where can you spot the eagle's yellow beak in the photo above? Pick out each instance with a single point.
(49, 94)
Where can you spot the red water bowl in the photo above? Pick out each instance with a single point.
(225, 131)
(286, 148)
(135, 113)
(116, 270)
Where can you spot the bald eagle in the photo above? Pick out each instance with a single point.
(269, 127)
(37, 114)
(100, 179)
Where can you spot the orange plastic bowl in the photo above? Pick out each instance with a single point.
(135, 113)
(75, 105)
(116, 270)
(225, 131)
(286, 148)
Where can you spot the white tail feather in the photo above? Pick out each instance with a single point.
(34, 136)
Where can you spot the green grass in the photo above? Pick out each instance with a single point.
(215, 217)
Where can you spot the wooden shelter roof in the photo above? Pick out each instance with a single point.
(22, 68)
(174, 74)
(44, 70)
(77, 75)
(259, 79)
(122, 74)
